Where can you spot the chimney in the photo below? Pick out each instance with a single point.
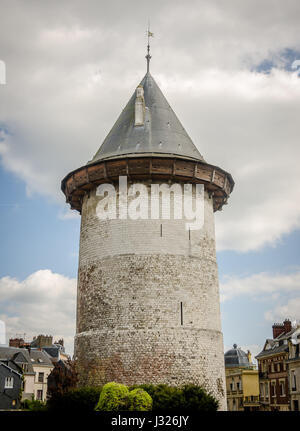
(249, 357)
(139, 119)
(287, 325)
(16, 342)
(281, 328)
(278, 329)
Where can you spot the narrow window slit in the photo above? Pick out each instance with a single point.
(181, 313)
(161, 230)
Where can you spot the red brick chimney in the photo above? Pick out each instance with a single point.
(16, 342)
(281, 328)
(287, 325)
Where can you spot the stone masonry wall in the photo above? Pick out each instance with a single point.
(148, 302)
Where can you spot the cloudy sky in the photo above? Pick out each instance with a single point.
(227, 70)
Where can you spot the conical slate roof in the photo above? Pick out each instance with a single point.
(162, 133)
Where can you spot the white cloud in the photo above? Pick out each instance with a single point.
(2, 332)
(75, 67)
(262, 284)
(43, 303)
(289, 310)
(68, 214)
(254, 349)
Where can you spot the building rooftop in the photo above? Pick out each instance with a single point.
(15, 357)
(159, 133)
(272, 350)
(236, 357)
(279, 343)
(39, 357)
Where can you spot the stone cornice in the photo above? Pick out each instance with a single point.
(218, 183)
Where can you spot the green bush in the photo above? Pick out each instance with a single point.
(139, 400)
(195, 398)
(164, 397)
(113, 397)
(173, 398)
(117, 397)
(34, 405)
(79, 399)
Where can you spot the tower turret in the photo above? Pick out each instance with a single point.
(148, 297)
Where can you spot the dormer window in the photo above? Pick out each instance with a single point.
(139, 117)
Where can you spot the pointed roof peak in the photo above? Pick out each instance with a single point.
(147, 126)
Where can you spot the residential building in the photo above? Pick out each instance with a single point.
(18, 342)
(293, 363)
(241, 381)
(10, 387)
(35, 365)
(273, 369)
(19, 360)
(55, 350)
(42, 366)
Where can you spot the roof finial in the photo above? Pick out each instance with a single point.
(148, 56)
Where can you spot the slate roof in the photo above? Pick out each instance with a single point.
(11, 369)
(278, 349)
(236, 357)
(39, 357)
(52, 351)
(286, 335)
(12, 356)
(161, 135)
(9, 354)
(274, 344)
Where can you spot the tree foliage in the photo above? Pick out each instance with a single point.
(139, 400)
(62, 378)
(117, 397)
(113, 397)
(34, 405)
(172, 398)
(78, 399)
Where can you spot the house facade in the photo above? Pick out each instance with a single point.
(42, 367)
(10, 388)
(293, 363)
(273, 365)
(242, 386)
(34, 365)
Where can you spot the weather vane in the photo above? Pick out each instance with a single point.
(148, 56)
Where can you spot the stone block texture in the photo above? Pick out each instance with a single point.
(148, 302)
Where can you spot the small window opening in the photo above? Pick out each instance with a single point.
(181, 313)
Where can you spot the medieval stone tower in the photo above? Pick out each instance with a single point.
(148, 298)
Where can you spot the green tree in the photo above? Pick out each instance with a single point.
(62, 378)
(196, 398)
(173, 398)
(113, 397)
(78, 399)
(139, 400)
